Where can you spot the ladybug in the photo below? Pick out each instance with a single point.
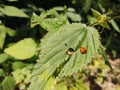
(83, 50)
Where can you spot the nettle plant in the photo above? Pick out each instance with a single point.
(66, 48)
(63, 52)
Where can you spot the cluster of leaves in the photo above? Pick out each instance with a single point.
(59, 60)
(15, 74)
(109, 38)
(54, 59)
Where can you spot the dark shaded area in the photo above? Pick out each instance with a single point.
(94, 85)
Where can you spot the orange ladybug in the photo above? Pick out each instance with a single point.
(83, 50)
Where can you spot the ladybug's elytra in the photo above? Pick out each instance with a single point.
(83, 50)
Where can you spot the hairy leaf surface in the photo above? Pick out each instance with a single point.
(54, 48)
(49, 20)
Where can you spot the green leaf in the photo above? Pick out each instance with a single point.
(23, 49)
(81, 85)
(49, 84)
(78, 60)
(58, 8)
(3, 57)
(99, 19)
(86, 5)
(70, 12)
(10, 32)
(1, 72)
(74, 16)
(8, 83)
(18, 65)
(54, 47)
(96, 14)
(3, 31)
(2, 36)
(41, 81)
(60, 86)
(103, 53)
(70, 9)
(23, 75)
(12, 11)
(114, 24)
(73, 88)
(49, 20)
